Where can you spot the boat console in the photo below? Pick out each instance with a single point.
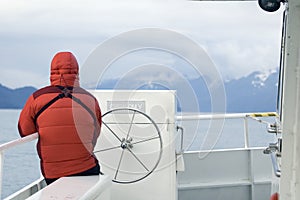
(136, 147)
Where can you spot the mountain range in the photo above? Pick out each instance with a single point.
(256, 92)
(14, 98)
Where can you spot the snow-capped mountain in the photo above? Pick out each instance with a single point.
(260, 77)
(256, 92)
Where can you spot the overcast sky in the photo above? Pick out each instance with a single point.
(239, 37)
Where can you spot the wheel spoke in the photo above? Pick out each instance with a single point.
(138, 159)
(111, 131)
(146, 140)
(117, 171)
(130, 125)
(107, 149)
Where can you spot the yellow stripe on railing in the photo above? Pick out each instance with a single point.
(268, 114)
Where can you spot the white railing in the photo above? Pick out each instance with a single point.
(244, 116)
(10, 145)
(258, 176)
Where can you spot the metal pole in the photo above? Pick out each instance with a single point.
(1, 171)
(246, 133)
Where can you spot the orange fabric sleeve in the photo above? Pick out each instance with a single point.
(99, 118)
(26, 124)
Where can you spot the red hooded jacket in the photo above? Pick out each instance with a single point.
(67, 130)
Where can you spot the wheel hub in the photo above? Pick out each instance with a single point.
(126, 143)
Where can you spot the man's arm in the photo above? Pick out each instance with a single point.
(26, 124)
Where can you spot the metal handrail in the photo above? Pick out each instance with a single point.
(275, 164)
(19, 141)
(222, 116)
(244, 116)
(211, 116)
(181, 143)
(10, 145)
(219, 116)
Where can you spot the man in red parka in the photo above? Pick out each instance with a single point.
(68, 121)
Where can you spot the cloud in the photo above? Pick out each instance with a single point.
(17, 78)
(236, 59)
(94, 17)
(239, 37)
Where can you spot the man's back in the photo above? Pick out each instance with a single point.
(67, 118)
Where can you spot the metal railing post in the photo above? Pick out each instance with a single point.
(1, 171)
(246, 133)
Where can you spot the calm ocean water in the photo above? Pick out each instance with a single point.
(21, 164)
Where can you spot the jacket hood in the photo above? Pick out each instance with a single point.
(64, 70)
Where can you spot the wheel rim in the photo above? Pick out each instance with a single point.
(127, 142)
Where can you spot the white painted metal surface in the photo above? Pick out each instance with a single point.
(79, 187)
(28, 190)
(290, 176)
(236, 174)
(160, 106)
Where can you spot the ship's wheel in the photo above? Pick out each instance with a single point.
(130, 145)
